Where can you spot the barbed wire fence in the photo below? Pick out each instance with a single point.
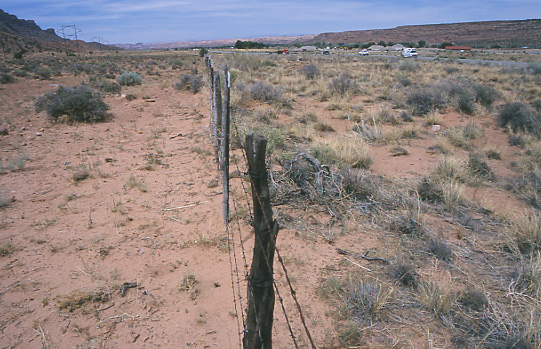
(254, 327)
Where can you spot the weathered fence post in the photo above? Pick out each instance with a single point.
(224, 160)
(259, 318)
(217, 116)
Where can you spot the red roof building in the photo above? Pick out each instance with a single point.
(458, 48)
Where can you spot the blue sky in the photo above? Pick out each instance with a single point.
(150, 21)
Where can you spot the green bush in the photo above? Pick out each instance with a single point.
(520, 117)
(79, 104)
(44, 73)
(129, 79)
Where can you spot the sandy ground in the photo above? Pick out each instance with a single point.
(149, 214)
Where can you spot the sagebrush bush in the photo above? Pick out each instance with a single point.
(104, 85)
(44, 73)
(6, 78)
(266, 92)
(189, 82)
(485, 95)
(520, 117)
(310, 71)
(425, 100)
(129, 79)
(79, 104)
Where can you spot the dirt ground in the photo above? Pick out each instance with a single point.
(114, 230)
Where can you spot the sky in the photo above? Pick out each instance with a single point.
(152, 21)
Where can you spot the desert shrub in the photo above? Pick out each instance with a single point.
(404, 81)
(405, 274)
(20, 73)
(406, 224)
(451, 70)
(6, 78)
(44, 73)
(425, 100)
(176, 63)
(266, 92)
(527, 186)
(520, 117)
(129, 79)
(366, 300)
(485, 95)
(440, 249)
(311, 71)
(343, 85)
(79, 104)
(537, 105)
(408, 66)
(478, 168)
(466, 103)
(104, 85)
(189, 82)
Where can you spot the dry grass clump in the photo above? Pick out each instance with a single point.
(463, 136)
(524, 234)
(79, 299)
(188, 282)
(351, 151)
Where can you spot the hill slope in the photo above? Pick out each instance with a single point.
(504, 33)
(21, 34)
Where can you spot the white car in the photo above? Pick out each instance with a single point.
(409, 52)
(364, 53)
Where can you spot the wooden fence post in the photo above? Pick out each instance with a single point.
(259, 318)
(224, 161)
(217, 116)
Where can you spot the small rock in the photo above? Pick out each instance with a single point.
(436, 128)
(38, 134)
(4, 131)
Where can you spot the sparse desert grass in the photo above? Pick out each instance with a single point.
(351, 151)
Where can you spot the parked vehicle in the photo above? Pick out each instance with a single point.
(364, 53)
(409, 52)
(326, 52)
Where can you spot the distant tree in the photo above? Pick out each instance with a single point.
(382, 43)
(445, 44)
(203, 51)
(368, 44)
(421, 43)
(249, 44)
(390, 43)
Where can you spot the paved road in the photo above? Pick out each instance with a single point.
(421, 58)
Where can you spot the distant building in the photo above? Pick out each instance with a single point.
(376, 48)
(308, 48)
(397, 47)
(458, 48)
